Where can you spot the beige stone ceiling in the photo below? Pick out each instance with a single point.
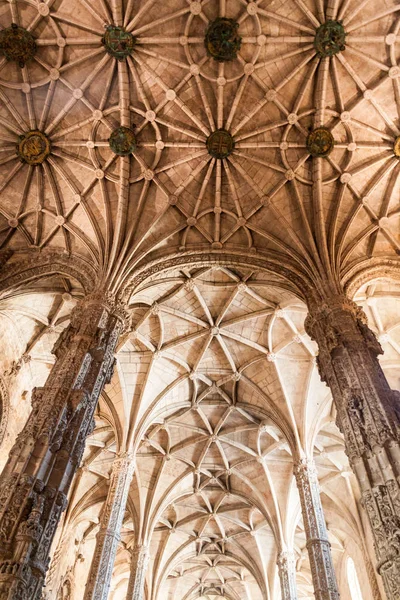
(268, 196)
(216, 385)
(216, 418)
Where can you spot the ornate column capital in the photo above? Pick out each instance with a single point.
(140, 552)
(123, 464)
(306, 471)
(287, 574)
(338, 321)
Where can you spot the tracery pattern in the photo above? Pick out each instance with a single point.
(267, 194)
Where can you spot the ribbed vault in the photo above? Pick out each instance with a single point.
(247, 183)
(217, 387)
(268, 194)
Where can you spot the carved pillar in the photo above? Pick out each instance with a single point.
(368, 414)
(36, 479)
(139, 563)
(287, 575)
(101, 569)
(318, 545)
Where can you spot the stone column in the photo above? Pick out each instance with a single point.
(36, 479)
(287, 575)
(108, 538)
(368, 414)
(137, 578)
(318, 545)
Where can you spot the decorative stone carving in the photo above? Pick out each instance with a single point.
(220, 144)
(4, 409)
(222, 39)
(108, 538)
(330, 39)
(34, 147)
(123, 141)
(318, 545)
(287, 575)
(139, 563)
(118, 42)
(320, 142)
(368, 416)
(36, 479)
(17, 44)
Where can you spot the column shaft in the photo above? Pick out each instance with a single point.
(139, 563)
(287, 575)
(108, 538)
(318, 545)
(368, 414)
(36, 479)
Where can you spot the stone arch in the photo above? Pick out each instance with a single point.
(34, 266)
(296, 281)
(363, 272)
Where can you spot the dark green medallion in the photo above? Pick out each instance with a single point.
(222, 39)
(320, 142)
(118, 42)
(123, 141)
(17, 44)
(330, 39)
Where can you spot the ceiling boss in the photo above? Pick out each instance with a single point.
(118, 42)
(222, 39)
(34, 147)
(17, 44)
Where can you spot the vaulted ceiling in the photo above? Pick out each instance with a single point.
(321, 215)
(216, 386)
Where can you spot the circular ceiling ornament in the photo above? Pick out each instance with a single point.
(320, 142)
(34, 147)
(118, 42)
(222, 39)
(220, 144)
(17, 44)
(330, 39)
(396, 147)
(123, 141)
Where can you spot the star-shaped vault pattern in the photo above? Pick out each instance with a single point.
(268, 195)
(216, 387)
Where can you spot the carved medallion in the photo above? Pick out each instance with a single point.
(220, 144)
(17, 44)
(123, 141)
(320, 142)
(396, 147)
(118, 42)
(34, 147)
(222, 39)
(330, 39)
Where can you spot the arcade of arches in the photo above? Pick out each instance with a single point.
(199, 300)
